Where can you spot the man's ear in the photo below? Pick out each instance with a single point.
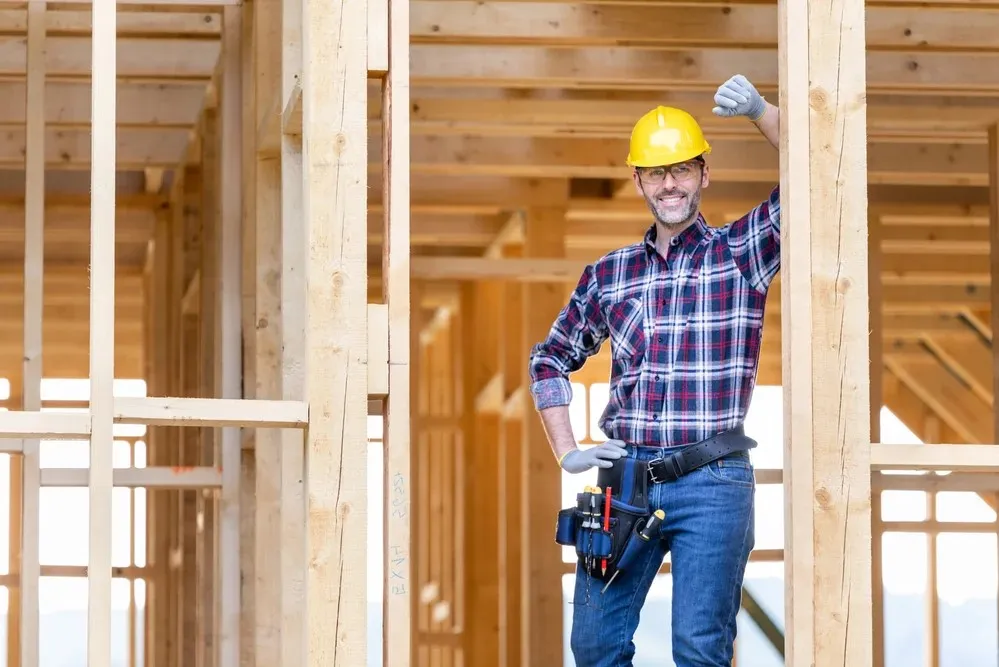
(638, 183)
(705, 176)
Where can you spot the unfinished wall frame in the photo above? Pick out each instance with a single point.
(309, 407)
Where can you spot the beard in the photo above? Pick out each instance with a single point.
(675, 208)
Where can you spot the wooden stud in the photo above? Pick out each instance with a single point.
(228, 337)
(824, 315)
(334, 170)
(34, 264)
(102, 306)
(294, 302)
(392, 28)
(266, 189)
(993, 158)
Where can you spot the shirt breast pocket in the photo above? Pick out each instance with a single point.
(626, 324)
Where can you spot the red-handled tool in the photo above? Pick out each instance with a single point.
(607, 508)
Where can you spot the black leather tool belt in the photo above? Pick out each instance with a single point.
(614, 536)
(686, 459)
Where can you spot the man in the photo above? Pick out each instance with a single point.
(683, 309)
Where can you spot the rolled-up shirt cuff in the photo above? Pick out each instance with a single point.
(550, 392)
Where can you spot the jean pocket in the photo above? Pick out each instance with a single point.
(738, 471)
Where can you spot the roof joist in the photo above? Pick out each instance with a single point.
(682, 69)
(746, 26)
(730, 160)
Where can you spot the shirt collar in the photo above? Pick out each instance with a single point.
(686, 240)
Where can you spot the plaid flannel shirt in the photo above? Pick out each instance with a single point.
(685, 331)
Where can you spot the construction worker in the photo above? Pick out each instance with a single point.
(683, 310)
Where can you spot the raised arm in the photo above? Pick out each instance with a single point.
(739, 97)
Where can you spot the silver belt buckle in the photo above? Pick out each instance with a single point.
(652, 474)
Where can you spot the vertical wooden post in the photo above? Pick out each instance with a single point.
(335, 175)
(479, 317)
(102, 276)
(824, 314)
(248, 271)
(398, 575)
(876, 342)
(541, 480)
(293, 321)
(269, 588)
(229, 338)
(993, 162)
(34, 263)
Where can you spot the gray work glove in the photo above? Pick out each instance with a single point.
(738, 97)
(600, 456)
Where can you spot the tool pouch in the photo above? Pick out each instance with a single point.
(582, 526)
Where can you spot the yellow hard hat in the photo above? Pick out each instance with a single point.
(666, 136)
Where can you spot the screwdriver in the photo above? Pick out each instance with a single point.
(648, 530)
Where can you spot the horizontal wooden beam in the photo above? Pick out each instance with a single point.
(256, 413)
(68, 57)
(578, 156)
(67, 104)
(47, 425)
(958, 457)
(621, 67)
(730, 160)
(495, 112)
(69, 148)
(650, 25)
(203, 477)
(980, 5)
(63, 20)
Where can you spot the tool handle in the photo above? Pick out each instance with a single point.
(652, 525)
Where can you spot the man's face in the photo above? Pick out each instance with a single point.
(673, 193)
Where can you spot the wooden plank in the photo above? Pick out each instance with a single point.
(540, 481)
(398, 572)
(619, 67)
(31, 377)
(102, 305)
(228, 334)
(658, 25)
(949, 457)
(378, 37)
(824, 306)
(992, 156)
(335, 154)
(69, 58)
(222, 412)
(67, 104)
(129, 22)
(487, 112)
(739, 160)
(156, 477)
(266, 84)
(294, 288)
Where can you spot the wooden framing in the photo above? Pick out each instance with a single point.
(255, 213)
(196, 337)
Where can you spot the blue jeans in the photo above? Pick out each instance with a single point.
(708, 532)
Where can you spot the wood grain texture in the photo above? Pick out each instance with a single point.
(334, 170)
(825, 333)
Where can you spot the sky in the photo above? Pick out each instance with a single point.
(64, 536)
